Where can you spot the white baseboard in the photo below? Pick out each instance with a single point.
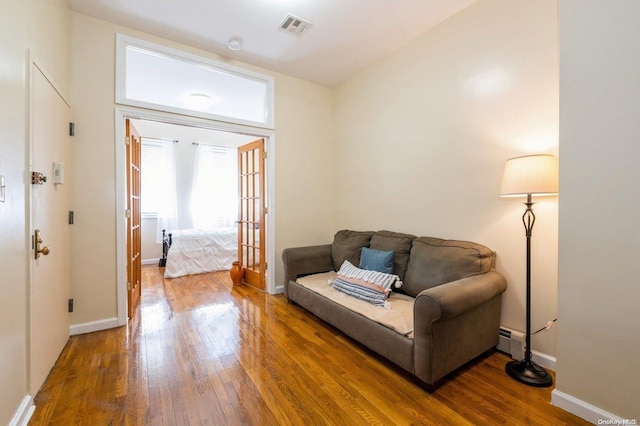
(582, 409)
(150, 261)
(544, 360)
(23, 413)
(90, 327)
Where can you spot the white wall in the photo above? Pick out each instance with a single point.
(599, 298)
(422, 138)
(303, 129)
(149, 250)
(44, 29)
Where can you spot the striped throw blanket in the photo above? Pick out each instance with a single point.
(371, 286)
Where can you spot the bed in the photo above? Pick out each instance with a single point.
(196, 251)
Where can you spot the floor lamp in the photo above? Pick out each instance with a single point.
(529, 176)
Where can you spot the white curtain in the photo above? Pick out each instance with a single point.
(167, 208)
(214, 193)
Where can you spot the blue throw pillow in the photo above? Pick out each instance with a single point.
(377, 260)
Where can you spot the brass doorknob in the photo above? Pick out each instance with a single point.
(37, 239)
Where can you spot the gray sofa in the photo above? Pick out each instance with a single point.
(457, 298)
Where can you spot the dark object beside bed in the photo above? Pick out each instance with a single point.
(166, 244)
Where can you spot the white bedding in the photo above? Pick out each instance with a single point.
(196, 251)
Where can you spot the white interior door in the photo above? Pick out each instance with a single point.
(50, 202)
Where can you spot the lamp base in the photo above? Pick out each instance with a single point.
(529, 373)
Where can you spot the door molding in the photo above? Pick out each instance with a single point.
(122, 113)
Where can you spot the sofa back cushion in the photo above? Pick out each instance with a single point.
(347, 245)
(397, 242)
(434, 261)
(377, 260)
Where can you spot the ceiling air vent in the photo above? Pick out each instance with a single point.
(294, 25)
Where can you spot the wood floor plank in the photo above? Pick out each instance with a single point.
(203, 352)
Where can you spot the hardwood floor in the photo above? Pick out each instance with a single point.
(202, 352)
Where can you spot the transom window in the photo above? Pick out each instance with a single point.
(157, 77)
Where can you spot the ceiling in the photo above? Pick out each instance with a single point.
(346, 36)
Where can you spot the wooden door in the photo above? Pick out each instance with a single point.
(50, 202)
(133, 213)
(252, 210)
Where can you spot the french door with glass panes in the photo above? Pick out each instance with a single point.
(252, 211)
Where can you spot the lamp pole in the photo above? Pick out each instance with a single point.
(527, 371)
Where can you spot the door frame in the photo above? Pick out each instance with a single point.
(122, 113)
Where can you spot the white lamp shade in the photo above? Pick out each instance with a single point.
(530, 175)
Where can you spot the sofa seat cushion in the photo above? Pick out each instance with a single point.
(434, 261)
(398, 316)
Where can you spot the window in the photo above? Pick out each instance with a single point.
(190, 84)
(214, 194)
(158, 184)
(153, 176)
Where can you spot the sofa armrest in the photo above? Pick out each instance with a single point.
(299, 261)
(454, 322)
(457, 297)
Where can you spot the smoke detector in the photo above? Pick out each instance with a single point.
(295, 25)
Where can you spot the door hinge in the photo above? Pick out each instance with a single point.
(70, 305)
(72, 128)
(128, 285)
(71, 217)
(127, 213)
(127, 140)
(266, 210)
(265, 154)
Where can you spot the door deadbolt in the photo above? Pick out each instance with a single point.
(38, 178)
(38, 240)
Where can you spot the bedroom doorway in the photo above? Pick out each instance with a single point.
(186, 133)
(160, 84)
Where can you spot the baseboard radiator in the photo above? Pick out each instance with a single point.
(512, 343)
